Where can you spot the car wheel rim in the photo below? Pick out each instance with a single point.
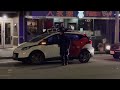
(36, 58)
(84, 56)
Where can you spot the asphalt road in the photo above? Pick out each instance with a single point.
(101, 66)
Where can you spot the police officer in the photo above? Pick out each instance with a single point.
(64, 44)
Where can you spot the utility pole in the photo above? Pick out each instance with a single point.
(116, 27)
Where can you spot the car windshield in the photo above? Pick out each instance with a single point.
(39, 37)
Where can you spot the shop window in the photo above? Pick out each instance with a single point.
(58, 24)
(32, 30)
(32, 26)
(86, 24)
(48, 23)
(37, 27)
(72, 26)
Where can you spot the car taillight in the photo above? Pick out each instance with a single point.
(90, 41)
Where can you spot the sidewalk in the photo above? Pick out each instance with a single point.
(8, 53)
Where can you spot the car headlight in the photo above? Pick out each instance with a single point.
(107, 47)
(25, 48)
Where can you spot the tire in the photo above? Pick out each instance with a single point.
(36, 57)
(84, 56)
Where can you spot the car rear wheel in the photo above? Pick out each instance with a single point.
(84, 56)
(36, 57)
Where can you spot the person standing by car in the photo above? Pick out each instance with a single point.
(64, 44)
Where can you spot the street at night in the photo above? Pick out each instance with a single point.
(102, 66)
(28, 38)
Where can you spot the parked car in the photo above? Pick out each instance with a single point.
(115, 50)
(45, 47)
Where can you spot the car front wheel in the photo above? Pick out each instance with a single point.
(84, 56)
(36, 57)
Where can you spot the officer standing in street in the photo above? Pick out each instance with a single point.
(64, 44)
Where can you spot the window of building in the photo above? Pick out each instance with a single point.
(32, 26)
(86, 24)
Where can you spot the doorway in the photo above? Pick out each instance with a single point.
(6, 28)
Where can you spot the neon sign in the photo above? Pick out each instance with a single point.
(99, 13)
(55, 13)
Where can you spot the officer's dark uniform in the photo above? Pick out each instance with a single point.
(64, 44)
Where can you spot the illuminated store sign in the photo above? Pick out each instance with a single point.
(55, 13)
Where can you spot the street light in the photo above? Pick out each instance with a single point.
(5, 16)
(117, 27)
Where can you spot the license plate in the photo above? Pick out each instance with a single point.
(112, 52)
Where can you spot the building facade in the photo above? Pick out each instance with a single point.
(18, 27)
(100, 23)
(36, 22)
(9, 29)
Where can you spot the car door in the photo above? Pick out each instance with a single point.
(76, 44)
(52, 49)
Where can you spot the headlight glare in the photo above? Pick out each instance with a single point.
(108, 47)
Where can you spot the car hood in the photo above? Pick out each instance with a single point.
(26, 44)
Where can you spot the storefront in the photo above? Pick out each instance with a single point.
(9, 35)
(100, 23)
(37, 22)
(19, 27)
